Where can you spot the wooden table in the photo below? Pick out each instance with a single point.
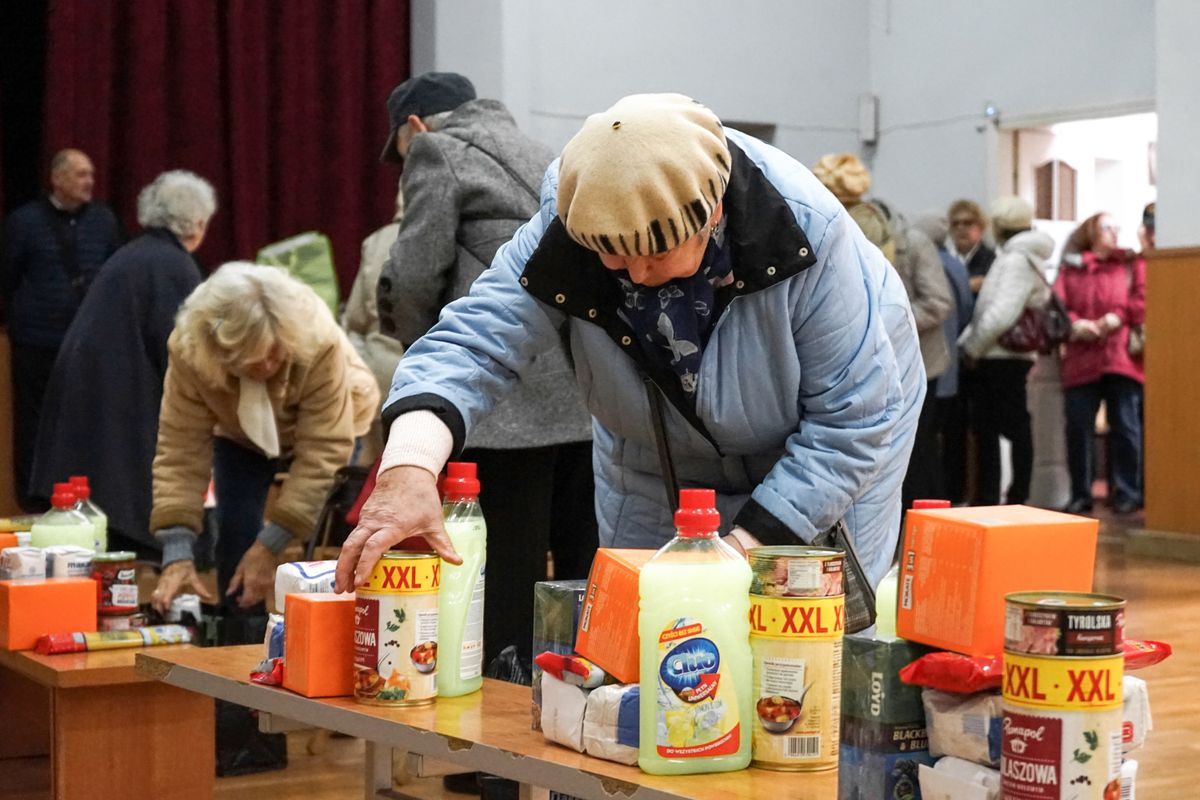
(486, 731)
(109, 731)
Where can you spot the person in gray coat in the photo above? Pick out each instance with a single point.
(470, 181)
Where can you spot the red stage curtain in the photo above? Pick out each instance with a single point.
(279, 103)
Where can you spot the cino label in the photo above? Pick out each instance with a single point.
(1063, 684)
(794, 618)
(696, 710)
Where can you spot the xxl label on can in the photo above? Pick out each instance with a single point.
(1065, 684)
(797, 648)
(396, 631)
(1061, 734)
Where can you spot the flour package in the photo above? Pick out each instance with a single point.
(563, 707)
(22, 562)
(610, 723)
(955, 779)
(1137, 722)
(964, 725)
(308, 577)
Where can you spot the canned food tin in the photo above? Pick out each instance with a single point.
(1062, 726)
(396, 631)
(115, 574)
(796, 571)
(796, 628)
(1064, 623)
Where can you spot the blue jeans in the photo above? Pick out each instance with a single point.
(242, 477)
(1123, 399)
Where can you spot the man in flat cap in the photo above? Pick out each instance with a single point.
(721, 305)
(470, 180)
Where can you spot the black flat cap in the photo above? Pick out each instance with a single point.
(423, 95)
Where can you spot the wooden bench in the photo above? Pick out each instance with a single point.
(108, 730)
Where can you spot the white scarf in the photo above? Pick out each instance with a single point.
(257, 417)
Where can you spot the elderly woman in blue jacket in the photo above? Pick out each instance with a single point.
(696, 269)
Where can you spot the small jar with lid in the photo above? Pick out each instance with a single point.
(115, 574)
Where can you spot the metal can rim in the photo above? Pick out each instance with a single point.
(1041, 600)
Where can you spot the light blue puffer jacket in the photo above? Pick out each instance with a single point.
(809, 388)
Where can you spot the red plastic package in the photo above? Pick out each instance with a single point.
(954, 672)
(1144, 653)
(269, 672)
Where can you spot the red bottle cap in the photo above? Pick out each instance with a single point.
(697, 516)
(460, 482)
(64, 495)
(80, 484)
(918, 504)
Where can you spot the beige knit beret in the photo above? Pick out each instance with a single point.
(643, 176)
(844, 175)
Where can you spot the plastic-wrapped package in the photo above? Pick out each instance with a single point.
(305, 577)
(1137, 722)
(883, 737)
(955, 779)
(68, 561)
(610, 723)
(556, 608)
(964, 725)
(273, 640)
(563, 708)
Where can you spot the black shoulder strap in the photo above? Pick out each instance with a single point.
(511, 172)
(64, 234)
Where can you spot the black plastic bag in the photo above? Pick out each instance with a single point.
(242, 749)
(510, 667)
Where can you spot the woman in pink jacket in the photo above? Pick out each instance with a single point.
(1103, 287)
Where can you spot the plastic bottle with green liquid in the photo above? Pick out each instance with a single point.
(693, 620)
(62, 524)
(460, 598)
(84, 504)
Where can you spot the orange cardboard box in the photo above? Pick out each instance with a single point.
(7, 540)
(958, 564)
(608, 623)
(31, 607)
(318, 644)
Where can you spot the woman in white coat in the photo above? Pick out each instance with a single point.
(998, 401)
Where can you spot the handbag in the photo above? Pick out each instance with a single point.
(1039, 329)
(860, 594)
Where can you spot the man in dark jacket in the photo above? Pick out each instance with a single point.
(53, 248)
(470, 180)
(100, 416)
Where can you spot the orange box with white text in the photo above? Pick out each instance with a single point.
(958, 564)
(608, 621)
(318, 644)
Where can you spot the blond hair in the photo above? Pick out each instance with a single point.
(241, 313)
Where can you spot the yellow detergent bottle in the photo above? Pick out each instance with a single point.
(695, 663)
(62, 524)
(460, 598)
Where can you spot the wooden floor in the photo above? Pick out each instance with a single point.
(1163, 604)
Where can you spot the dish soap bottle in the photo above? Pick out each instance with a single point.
(887, 593)
(460, 599)
(62, 524)
(84, 504)
(694, 624)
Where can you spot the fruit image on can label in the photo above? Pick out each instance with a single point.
(396, 631)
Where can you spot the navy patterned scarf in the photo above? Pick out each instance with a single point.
(673, 321)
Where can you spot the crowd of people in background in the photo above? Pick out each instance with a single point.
(81, 308)
(966, 294)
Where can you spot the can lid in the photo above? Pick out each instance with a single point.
(64, 495)
(461, 482)
(920, 504)
(697, 516)
(82, 489)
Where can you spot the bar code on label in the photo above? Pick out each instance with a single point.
(802, 746)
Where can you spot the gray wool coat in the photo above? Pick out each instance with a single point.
(468, 187)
